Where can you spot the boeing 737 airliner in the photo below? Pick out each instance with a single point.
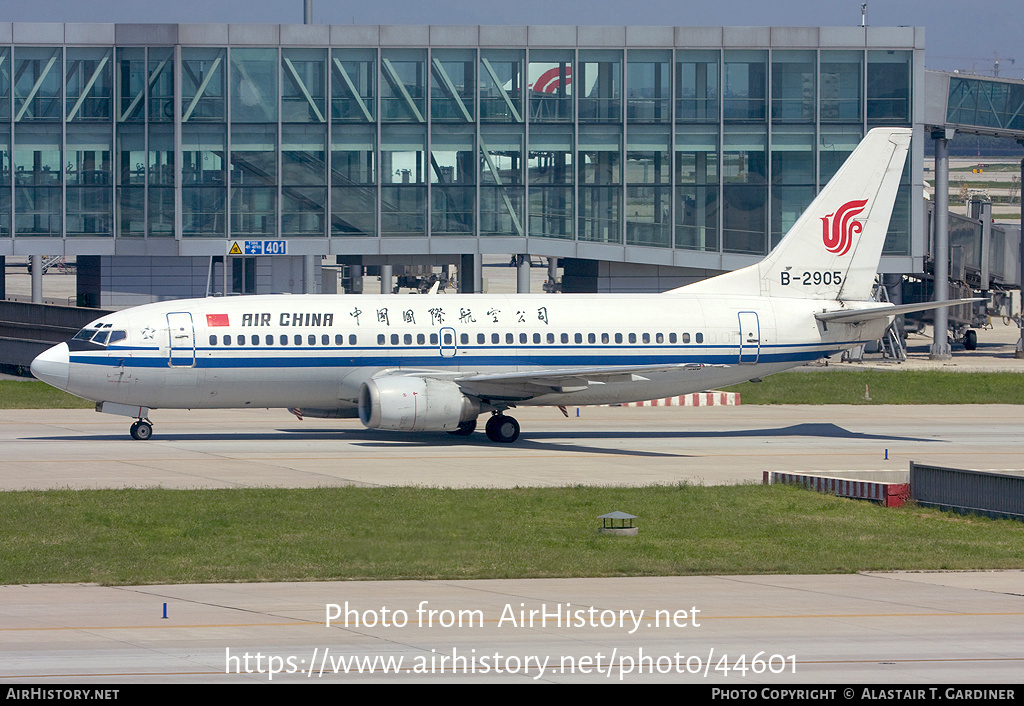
(438, 362)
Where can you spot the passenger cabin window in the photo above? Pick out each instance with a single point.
(699, 338)
(686, 338)
(213, 340)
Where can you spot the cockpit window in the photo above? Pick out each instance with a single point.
(102, 335)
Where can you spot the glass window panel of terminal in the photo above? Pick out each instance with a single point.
(203, 72)
(549, 81)
(841, 86)
(648, 86)
(793, 86)
(697, 86)
(599, 85)
(254, 93)
(353, 85)
(648, 190)
(746, 82)
(502, 85)
(303, 85)
(452, 85)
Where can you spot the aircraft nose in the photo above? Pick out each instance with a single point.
(51, 366)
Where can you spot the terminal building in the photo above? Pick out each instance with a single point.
(187, 160)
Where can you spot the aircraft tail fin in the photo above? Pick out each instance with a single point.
(833, 249)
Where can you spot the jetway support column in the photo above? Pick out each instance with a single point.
(471, 274)
(37, 278)
(387, 276)
(940, 255)
(309, 274)
(523, 280)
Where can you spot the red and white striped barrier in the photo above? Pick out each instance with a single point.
(887, 494)
(694, 399)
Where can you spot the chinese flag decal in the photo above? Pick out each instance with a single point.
(217, 320)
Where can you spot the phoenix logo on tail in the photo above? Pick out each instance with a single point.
(839, 236)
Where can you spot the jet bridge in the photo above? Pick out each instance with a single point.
(980, 106)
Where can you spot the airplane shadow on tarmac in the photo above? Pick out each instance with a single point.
(532, 439)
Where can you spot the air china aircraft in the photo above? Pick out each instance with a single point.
(438, 362)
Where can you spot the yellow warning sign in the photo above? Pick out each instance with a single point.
(235, 250)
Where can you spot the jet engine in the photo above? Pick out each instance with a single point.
(414, 404)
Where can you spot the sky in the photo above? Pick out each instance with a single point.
(967, 36)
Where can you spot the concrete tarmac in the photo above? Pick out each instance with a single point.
(747, 632)
(603, 446)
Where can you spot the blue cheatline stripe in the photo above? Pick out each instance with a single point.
(338, 359)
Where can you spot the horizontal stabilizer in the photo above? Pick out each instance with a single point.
(856, 316)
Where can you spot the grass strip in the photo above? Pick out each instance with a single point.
(884, 387)
(32, 394)
(123, 537)
(817, 387)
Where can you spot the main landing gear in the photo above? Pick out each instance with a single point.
(141, 429)
(502, 429)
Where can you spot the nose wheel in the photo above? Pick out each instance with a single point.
(502, 429)
(141, 429)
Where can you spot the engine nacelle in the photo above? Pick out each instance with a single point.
(414, 404)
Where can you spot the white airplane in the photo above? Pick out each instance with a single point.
(437, 363)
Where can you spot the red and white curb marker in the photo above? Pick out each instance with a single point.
(694, 399)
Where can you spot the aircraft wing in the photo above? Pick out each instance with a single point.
(529, 383)
(856, 316)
